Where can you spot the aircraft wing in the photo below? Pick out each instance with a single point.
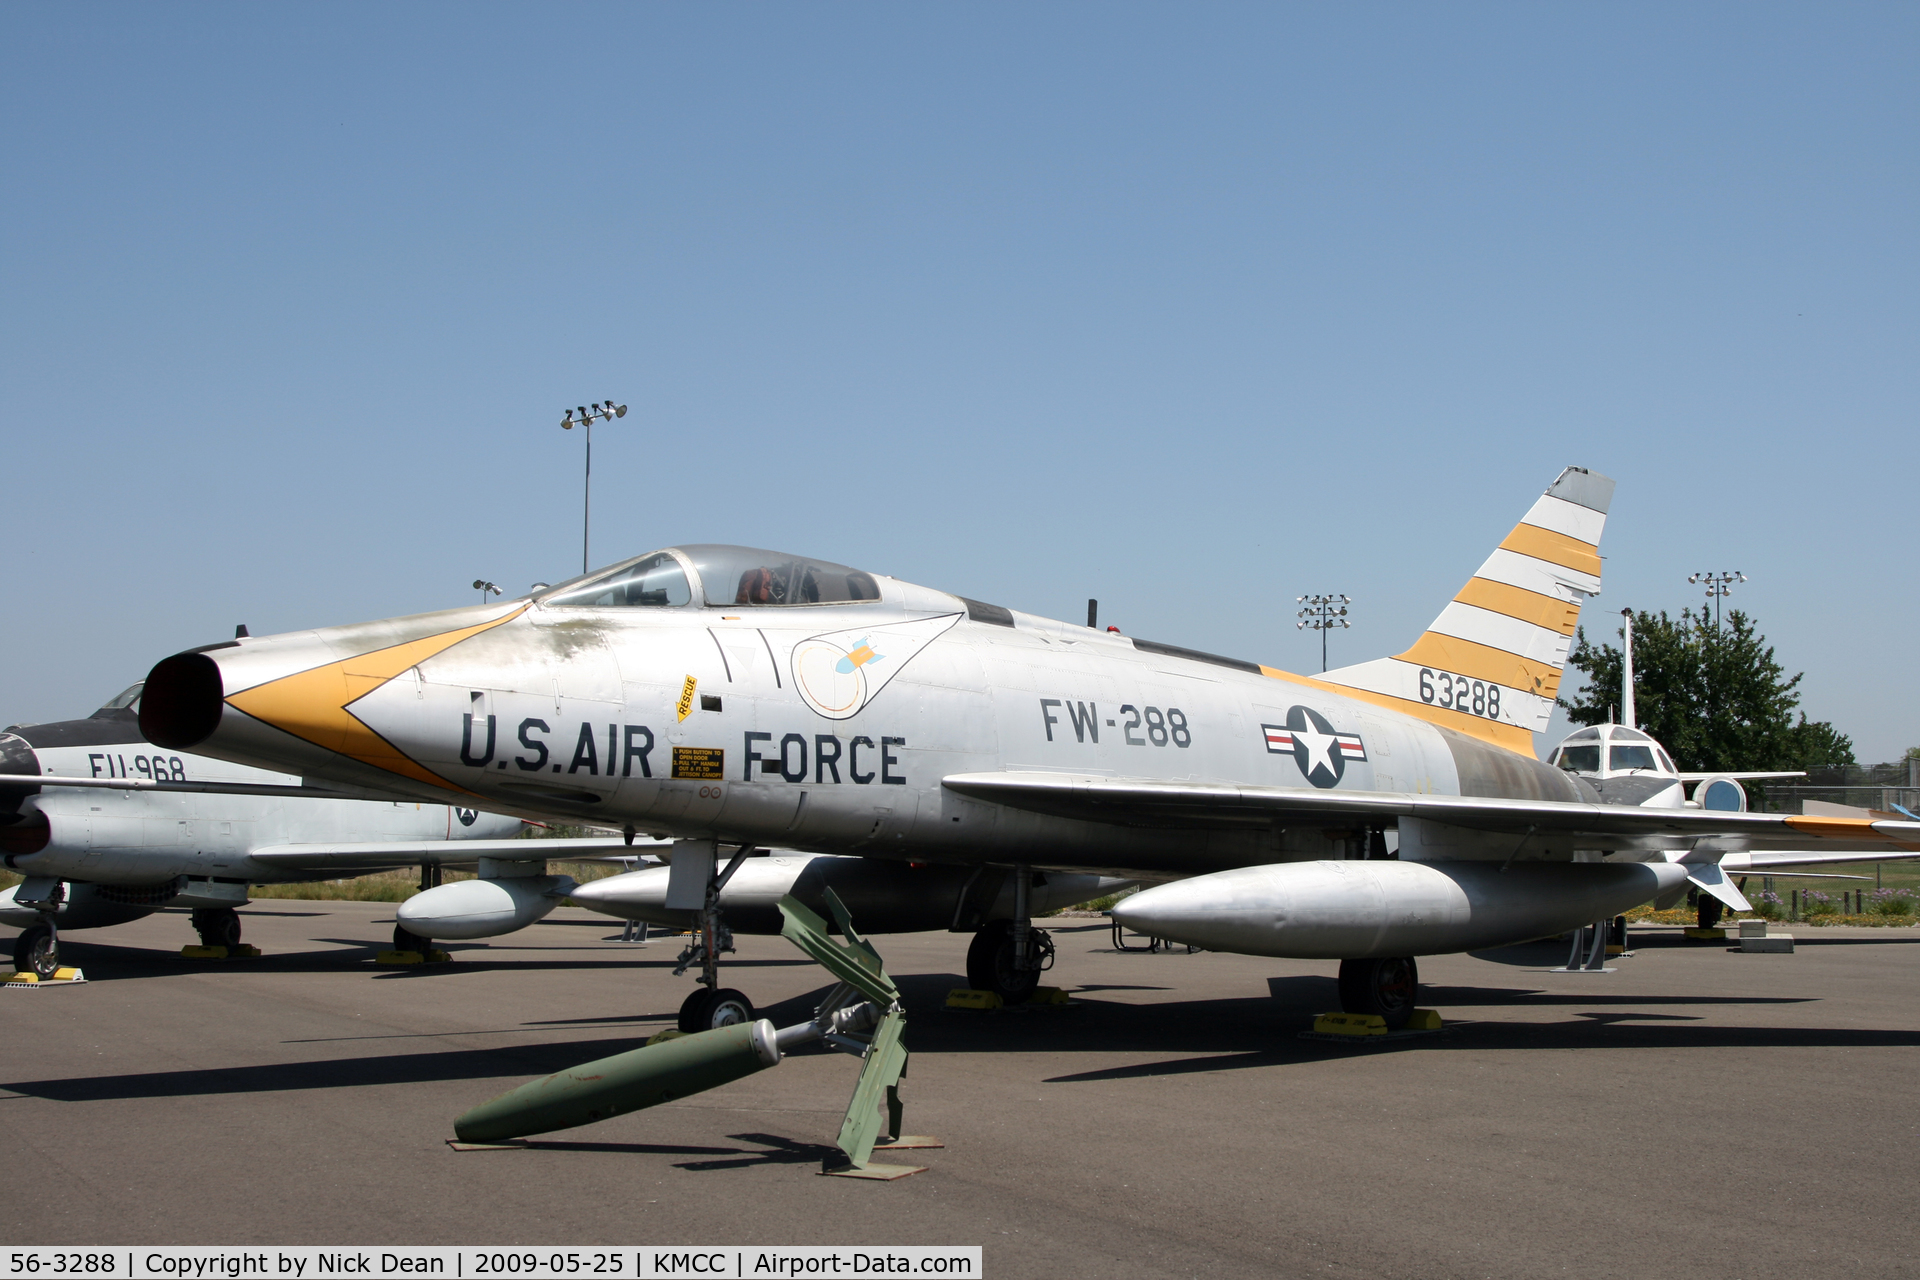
(1743, 777)
(10, 780)
(1780, 861)
(1205, 805)
(440, 853)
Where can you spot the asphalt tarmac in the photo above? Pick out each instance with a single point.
(1694, 1112)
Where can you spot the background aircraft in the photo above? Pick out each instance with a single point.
(106, 828)
(710, 694)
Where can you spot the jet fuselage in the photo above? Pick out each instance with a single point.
(825, 727)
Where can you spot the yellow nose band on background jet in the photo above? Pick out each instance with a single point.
(312, 704)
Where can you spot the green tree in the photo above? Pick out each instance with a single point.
(1715, 697)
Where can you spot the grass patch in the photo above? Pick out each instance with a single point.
(1096, 904)
(1687, 916)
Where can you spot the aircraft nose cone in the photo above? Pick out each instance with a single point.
(297, 689)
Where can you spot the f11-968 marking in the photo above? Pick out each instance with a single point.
(1458, 693)
(1161, 726)
(158, 768)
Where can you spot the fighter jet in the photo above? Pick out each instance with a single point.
(107, 827)
(730, 696)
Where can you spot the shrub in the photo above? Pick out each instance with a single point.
(1890, 902)
(1768, 906)
(1815, 903)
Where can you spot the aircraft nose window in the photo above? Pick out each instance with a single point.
(1580, 759)
(657, 580)
(1630, 757)
(746, 576)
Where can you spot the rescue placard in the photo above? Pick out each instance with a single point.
(685, 708)
(708, 764)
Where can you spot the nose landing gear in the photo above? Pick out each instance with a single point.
(712, 1005)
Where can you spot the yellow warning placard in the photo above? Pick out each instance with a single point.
(685, 708)
(707, 764)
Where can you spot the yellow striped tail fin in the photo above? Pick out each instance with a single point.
(1490, 664)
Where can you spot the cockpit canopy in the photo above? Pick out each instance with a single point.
(1612, 750)
(717, 577)
(128, 699)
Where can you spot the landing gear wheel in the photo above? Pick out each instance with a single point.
(37, 950)
(707, 1009)
(1709, 911)
(1388, 987)
(405, 941)
(217, 927)
(990, 964)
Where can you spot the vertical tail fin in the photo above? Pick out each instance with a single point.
(1490, 664)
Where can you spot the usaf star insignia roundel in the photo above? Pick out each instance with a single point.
(1310, 739)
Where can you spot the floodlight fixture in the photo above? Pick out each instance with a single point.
(1323, 613)
(603, 411)
(1719, 586)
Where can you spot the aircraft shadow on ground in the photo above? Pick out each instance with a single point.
(110, 962)
(1231, 1034)
(774, 1149)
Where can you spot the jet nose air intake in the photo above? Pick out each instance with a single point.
(180, 706)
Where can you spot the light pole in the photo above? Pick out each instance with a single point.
(605, 413)
(1323, 614)
(1719, 586)
(483, 587)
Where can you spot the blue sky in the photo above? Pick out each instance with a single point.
(1191, 308)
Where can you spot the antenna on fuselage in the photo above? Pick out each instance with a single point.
(1626, 669)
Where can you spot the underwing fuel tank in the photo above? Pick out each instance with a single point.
(888, 897)
(481, 908)
(1363, 909)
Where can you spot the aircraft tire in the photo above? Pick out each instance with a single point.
(1708, 913)
(1388, 986)
(405, 940)
(990, 964)
(37, 950)
(693, 1010)
(217, 926)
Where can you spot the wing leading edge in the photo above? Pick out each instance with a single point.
(1225, 806)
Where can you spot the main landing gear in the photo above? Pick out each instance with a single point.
(404, 939)
(37, 950)
(217, 926)
(1708, 911)
(1388, 987)
(712, 1005)
(1007, 957)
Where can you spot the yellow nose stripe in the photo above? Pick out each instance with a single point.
(312, 704)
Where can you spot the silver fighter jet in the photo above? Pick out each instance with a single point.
(729, 696)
